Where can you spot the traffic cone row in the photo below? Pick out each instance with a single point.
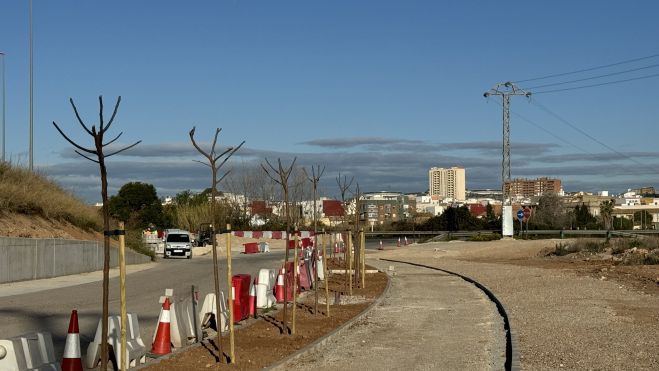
(71, 360)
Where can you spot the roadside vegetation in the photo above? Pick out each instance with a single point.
(31, 193)
(628, 251)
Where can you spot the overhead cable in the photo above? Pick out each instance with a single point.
(588, 69)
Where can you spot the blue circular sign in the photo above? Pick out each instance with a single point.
(520, 214)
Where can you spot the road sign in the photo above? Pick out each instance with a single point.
(527, 213)
(520, 214)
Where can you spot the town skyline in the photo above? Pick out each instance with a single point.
(381, 91)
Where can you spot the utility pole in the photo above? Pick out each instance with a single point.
(31, 95)
(506, 90)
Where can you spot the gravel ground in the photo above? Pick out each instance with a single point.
(563, 320)
(426, 322)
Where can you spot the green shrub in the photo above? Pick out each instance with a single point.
(652, 258)
(485, 237)
(135, 243)
(562, 249)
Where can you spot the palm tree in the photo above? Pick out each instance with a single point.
(606, 211)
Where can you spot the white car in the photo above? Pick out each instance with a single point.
(178, 244)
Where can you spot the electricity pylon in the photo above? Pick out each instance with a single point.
(506, 90)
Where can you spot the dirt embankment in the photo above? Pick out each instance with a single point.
(32, 226)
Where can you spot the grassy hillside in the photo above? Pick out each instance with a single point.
(33, 194)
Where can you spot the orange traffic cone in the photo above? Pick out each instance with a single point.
(380, 248)
(163, 343)
(71, 360)
(251, 302)
(405, 240)
(279, 288)
(398, 242)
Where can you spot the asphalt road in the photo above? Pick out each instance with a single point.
(49, 310)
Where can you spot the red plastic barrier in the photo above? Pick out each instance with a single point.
(257, 234)
(276, 235)
(291, 244)
(305, 281)
(307, 242)
(251, 247)
(239, 233)
(240, 284)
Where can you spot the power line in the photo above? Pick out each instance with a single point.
(595, 77)
(568, 123)
(600, 84)
(588, 69)
(538, 126)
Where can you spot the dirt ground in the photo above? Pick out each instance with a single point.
(644, 278)
(573, 312)
(263, 342)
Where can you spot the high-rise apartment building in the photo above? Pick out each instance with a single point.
(447, 183)
(532, 187)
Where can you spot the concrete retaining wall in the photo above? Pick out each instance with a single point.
(35, 258)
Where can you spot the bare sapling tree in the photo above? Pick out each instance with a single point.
(215, 163)
(97, 155)
(344, 186)
(316, 174)
(280, 175)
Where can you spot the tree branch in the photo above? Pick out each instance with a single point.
(85, 156)
(194, 143)
(79, 119)
(72, 142)
(123, 149)
(112, 141)
(201, 162)
(100, 114)
(114, 113)
(217, 132)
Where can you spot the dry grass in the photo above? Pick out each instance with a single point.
(29, 193)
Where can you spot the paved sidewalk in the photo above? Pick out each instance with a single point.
(31, 286)
(428, 321)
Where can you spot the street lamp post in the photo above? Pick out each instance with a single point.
(4, 106)
(31, 95)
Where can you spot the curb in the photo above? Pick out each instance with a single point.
(321, 342)
(512, 362)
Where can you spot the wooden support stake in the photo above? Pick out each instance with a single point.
(122, 295)
(349, 265)
(232, 353)
(363, 258)
(295, 266)
(325, 272)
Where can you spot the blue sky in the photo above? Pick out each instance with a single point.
(381, 90)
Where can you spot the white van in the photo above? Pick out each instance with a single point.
(178, 244)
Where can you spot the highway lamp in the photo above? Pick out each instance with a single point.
(4, 105)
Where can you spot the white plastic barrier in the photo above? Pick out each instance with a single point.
(248, 234)
(135, 351)
(181, 327)
(209, 308)
(264, 247)
(319, 267)
(264, 293)
(267, 234)
(33, 351)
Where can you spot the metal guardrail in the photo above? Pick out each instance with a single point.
(558, 232)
